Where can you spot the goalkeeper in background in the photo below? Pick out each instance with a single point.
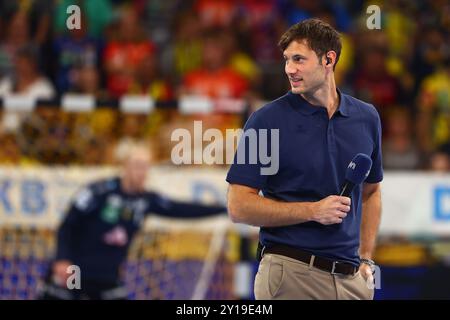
(99, 227)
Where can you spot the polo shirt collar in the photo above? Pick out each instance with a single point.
(306, 108)
(343, 107)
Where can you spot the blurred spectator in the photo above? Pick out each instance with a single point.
(37, 13)
(27, 80)
(431, 50)
(261, 22)
(98, 15)
(396, 38)
(303, 9)
(399, 148)
(372, 81)
(258, 28)
(130, 126)
(123, 55)
(158, 16)
(434, 109)
(17, 36)
(92, 136)
(44, 136)
(215, 13)
(300, 10)
(74, 51)
(93, 152)
(147, 80)
(186, 50)
(440, 159)
(87, 81)
(241, 62)
(398, 26)
(215, 78)
(9, 152)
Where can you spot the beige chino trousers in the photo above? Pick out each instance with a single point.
(284, 278)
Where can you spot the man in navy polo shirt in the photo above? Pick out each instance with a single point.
(316, 244)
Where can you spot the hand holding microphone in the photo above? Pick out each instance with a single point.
(333, 209)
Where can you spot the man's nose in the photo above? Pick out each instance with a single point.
(289, 68)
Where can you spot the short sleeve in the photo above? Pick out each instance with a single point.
(250, 167)
(376, 172)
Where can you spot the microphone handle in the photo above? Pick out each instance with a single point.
(347, 189)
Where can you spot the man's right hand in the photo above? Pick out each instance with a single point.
(331, 210)
(60, 274)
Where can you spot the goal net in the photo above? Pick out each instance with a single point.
(169, 259)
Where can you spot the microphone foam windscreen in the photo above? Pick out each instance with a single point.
(358, 169)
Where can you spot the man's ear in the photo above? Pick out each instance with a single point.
(329, 56)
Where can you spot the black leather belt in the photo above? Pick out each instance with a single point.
(334, 267)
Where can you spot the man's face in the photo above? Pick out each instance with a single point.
(135, 170)
(303, 68)
(214, 54)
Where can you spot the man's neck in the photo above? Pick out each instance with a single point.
(325, 96)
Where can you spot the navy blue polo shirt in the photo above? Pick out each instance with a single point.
(314, 152)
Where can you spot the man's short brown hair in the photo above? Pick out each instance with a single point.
(320, 36)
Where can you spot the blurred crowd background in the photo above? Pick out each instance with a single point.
(220, 49)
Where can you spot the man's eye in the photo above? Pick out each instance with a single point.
(294, 59)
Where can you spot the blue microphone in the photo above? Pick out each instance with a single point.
(357, 171)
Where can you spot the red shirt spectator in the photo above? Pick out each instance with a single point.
(373, 82)
(215, 78)
(221, 83)
(124, 57)
(216, 13)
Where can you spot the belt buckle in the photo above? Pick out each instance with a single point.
(334, 267)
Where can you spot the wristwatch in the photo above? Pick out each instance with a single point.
(370, 263)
